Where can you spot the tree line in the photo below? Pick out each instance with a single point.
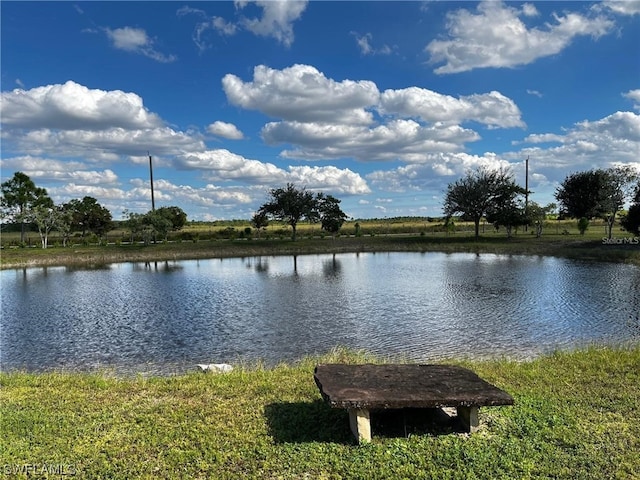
(25, 204)
(487, 194)
(495, 196)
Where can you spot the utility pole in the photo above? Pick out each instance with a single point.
(526, 188)
(153, 203)
(526, 184)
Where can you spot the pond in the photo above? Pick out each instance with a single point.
(165, 317)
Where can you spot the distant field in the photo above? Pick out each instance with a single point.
(237, 238)
(232, 229)
(217, 242)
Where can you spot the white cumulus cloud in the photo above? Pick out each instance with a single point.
(276, 20)
(329, 179)
(223, 27)
(543, 138)
(427, 175)
(41, 168)
(530, 10)
(136, 40)
(364, 44)
(399, 139)
(71, 106)
(321, 118)
(492, 109)
(71, 120)
(225, 130)
(116, 141)
(634, 96)
(302, 93)
(623, 7)
(495, 36)
(614, 139)
(223, 165)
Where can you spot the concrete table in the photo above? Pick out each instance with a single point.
(362, 388)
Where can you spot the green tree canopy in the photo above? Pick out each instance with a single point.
(478, 193)
(64, 223)
(596, 193)
(19, 196)
(331, 215)
(155, 223)
(259, 221)
(175, 215)
(631, 221)
(45, 218)
(508, 209)
(579, 194)
(290, 205)
(134, 222)
(618, 188)
(537, 214)
(89, 216)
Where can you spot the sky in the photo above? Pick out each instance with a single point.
(380, 104)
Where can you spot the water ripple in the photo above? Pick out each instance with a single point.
(166, 317)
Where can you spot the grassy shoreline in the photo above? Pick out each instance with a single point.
(551, 245)
(576, 415)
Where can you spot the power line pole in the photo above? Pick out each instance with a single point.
(526, 191)
(153, 203)
(526, 185)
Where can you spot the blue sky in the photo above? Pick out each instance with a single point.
(381, 104)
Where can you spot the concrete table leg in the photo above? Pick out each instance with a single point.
(360, 423)
(469, 417)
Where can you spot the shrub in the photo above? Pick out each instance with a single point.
(229, 233)
(583, 225)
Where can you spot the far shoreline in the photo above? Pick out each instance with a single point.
(93, 255)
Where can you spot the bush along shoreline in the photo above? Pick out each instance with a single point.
(576, 415)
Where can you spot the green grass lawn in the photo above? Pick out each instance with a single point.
(576, 415)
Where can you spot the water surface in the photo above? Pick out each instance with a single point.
(165, 317)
